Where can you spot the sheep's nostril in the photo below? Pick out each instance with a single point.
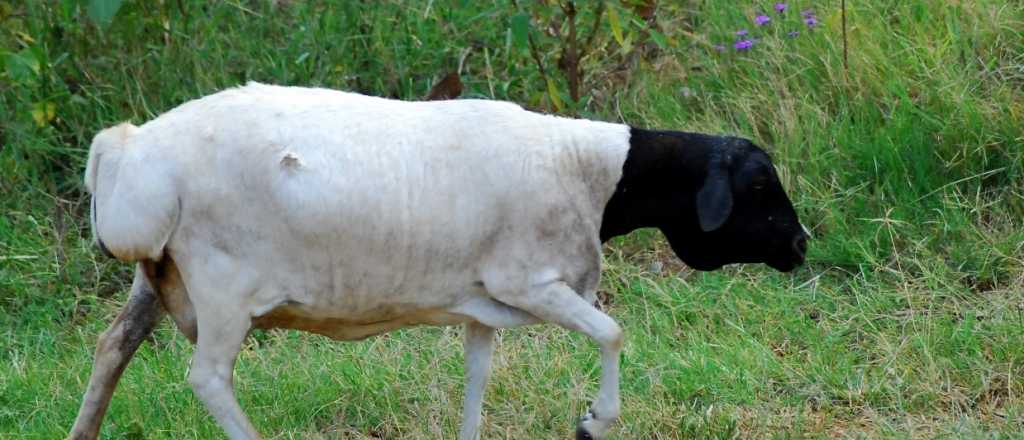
(800, 244)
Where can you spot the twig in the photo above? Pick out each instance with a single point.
(981, 175)
(18, 257)
(846, 55)
(570, 53)
(462, 58)
(536, 57)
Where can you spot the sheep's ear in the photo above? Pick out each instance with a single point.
(714, 200)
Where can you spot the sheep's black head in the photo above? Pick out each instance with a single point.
(718, 200)
(743, 214)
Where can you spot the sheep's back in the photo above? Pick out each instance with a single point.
(423, 184)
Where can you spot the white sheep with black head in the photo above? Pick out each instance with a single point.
(350, 216)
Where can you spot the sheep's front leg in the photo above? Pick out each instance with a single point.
(558, 303)
(114, 350)
(479, 347)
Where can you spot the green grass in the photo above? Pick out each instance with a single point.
(908, 321)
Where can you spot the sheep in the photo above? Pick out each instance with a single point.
(350, 216)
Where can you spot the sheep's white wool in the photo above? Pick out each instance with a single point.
(348, 210)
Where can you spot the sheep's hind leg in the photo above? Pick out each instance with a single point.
(479, 349)
(173, 296)
(211, 373)
(488, 315)
(215, 289)
(114, 350)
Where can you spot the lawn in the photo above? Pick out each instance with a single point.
(901, 144)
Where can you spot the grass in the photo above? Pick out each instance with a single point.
(908, 321)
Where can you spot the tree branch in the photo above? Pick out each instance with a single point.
(536, 56)
(570, 52)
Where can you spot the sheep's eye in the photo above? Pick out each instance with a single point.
(758, 178)
(759, 182)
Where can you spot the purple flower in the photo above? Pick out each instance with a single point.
(743, 44)
(762, 20)
(811, 21)
(741, 32)
(807, 13)
(780, 7)
(794, 34)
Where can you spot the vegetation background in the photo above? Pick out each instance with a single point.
(907, 162)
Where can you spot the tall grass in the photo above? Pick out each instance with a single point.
(908, 165)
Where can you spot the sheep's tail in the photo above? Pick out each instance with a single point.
(135, 207)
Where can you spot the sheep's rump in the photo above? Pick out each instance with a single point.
(134, 207)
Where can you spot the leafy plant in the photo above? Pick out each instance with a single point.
(102, 12)
(558, 30)
(908, 167)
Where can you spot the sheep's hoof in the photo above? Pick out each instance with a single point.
(582, 433)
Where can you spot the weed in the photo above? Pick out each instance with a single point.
(907, 164)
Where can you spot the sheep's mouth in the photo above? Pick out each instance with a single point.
(705, 267)
(787, 264)
(782, 266)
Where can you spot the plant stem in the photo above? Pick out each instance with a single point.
(846, 54)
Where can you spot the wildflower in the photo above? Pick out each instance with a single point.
(811, 21)
(807, 13)
(780, 7)
(794, 34)
(762, 20)
(741, 32)
(743, 44)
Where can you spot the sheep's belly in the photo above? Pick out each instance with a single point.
(294, 317)
(362, 294)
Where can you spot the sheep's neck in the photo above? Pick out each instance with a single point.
(660, 177)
